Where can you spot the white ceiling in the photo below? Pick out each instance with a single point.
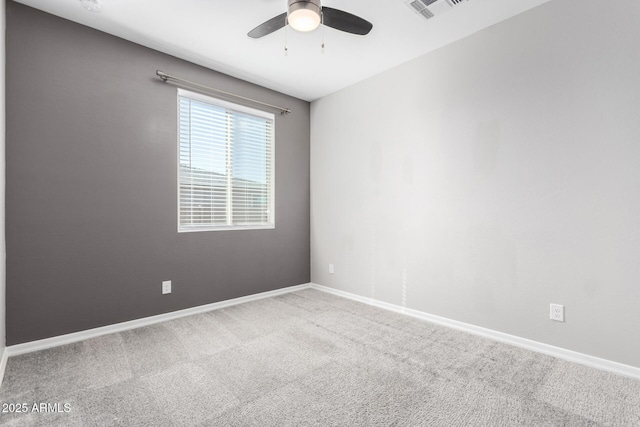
(213, 33)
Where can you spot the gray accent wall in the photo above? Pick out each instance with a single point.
(492, 177)
(92, 186)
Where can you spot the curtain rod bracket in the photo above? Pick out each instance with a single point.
(163, 76)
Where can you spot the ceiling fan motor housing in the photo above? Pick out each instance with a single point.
(313, 5)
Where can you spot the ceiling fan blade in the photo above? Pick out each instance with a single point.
(345, 21)
(269, 26)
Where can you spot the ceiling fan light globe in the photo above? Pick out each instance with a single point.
(304, 20)
(304, 16)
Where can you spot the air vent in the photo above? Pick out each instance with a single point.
(426, 13)
(427, 9)
(420, 5)
(417, 5)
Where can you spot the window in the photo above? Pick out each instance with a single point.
(225, 173)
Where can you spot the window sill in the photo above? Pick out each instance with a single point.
(227, 228)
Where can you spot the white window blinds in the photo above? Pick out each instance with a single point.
(226, 165)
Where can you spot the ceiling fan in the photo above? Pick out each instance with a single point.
(307, 15)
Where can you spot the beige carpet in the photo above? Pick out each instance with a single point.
(308, 359)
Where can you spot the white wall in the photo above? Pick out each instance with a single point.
(492, 177)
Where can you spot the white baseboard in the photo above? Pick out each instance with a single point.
(559, 352)
(43, 344)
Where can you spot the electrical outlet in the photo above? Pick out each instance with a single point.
(166, 287)
(557, 312)
(331, 270)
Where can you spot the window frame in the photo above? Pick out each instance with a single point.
(199, 97)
